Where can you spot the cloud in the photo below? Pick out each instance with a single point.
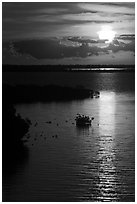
(71, 47)
(118, 7)
(38, 19)
(127, 37)
(11, 56)
(121, 4)
(120, 46)
(85, 40)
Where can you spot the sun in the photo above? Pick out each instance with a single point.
(106, 33)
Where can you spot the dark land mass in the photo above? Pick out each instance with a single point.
(33, 93)
(67, 68)
(14, 127)
(13, 130)
(14, 152)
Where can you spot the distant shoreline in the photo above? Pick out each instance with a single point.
(68, 68)
(48, 93)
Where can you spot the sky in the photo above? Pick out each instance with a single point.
(42, 33)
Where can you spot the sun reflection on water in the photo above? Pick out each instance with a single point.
(106, 149)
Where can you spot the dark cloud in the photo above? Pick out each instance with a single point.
(120, 4)
(127, 37)
(120, 46)
(55, 48)
(83, 40)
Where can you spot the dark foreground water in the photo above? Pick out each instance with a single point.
(69, 163)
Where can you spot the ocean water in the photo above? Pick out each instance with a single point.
(111, 81)
(70, 163)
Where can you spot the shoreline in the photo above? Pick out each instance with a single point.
(33, 93)
(67, 68)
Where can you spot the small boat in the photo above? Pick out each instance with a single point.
(83, 120)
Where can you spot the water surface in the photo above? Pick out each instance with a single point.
(70, 163)
(116, 81)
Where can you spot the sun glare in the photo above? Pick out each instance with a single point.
(106, 33)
